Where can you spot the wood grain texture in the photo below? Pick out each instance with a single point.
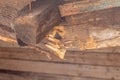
(13, 75)
(31, 26)
(61, 69)
(100, 17)
(86, 6)
(105, 57)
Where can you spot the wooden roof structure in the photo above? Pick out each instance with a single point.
(83, 35)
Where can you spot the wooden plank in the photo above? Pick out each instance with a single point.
(11, 75)
(62, 69)
(86, 6)
(106, 57)
(31, 26)
(7, 76)
(100, 17)
(39, 67)
(85, 36)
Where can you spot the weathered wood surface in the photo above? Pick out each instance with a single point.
(107, 57)
(100, 17)
(15, 3)
(11, 75)
(101, 64)
(8, 75)
(9, 10)
(74, 70)
(7, 36)
(32, 26)
(86, 6)
(84, 36)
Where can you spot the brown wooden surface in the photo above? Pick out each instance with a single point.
(100, 17)
(11, 75)
(7, 36)
(105, 72)
(31, 26)
(79, 6)
(91, 64)
(9, 10)
(107, 57)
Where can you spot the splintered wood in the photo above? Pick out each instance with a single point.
(53, 42)
(82, 37)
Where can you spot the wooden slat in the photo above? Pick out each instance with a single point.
(106, 57)
(40, 67)
(100, 17)
(87, 36)
(39, 76)
(62, 69)
(87, 6)
(31, 26)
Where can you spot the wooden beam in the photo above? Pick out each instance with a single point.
(32, 26)
(86, 36)
(39, 67)
(105, 57)
(78, 7)
(104, 72)
(100, 17)
(13, 75)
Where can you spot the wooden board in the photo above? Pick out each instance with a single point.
(31, 26)
(100, 17)
(106, 57)
(13, 75)
(83, 37)
(104, 72)
(79, 6)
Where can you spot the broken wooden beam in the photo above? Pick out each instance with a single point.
(32, 26)
(86, 36)
(86, 6)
